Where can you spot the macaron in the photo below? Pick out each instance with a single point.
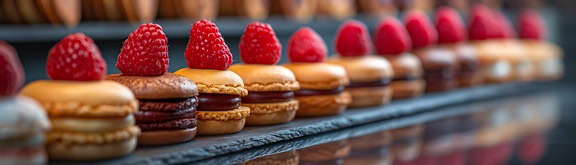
(451, 35)
(440, 64)
(220, 90)
(270, 87)
(327, 153)
(167, 112)
(23, 121)
(369, 75)
(91, 118)
(321, 84)
(408, 74)
(522, 67)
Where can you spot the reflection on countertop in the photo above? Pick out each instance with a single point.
(486, 135)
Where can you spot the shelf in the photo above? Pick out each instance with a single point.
(251, 137)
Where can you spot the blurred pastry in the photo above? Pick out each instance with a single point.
(369, 75)
(546, 55)
(23, 121)
(321, 85)
(91, 118)
(392, 42)
(219, 101)
(377, 8)
(294, 9)
(270, 87)
(167, 112)
(339, 9)
(452, 35)
(252, 9)
(522, 67)
(440, 64)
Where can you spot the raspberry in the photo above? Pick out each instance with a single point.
(305, 45)
(420, 29)
(76, 57)
(391, 38)
(145, 52)
(530, 25)
(259, 45)
(449, 25)
(503, 24)
(11, 72)
(482, 25)
(206, 48)
(353, 39)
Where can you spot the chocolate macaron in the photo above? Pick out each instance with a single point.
(369, 76)
(270, 87)
(168, 102)
(392, 42)
(221, 90)
(321, 85)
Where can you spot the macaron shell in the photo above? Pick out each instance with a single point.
(67, 151)
(405, 65)
(407, 88)
(166, 86)
(322, 105)
(266, 77)
(318, 76)
(154, 138)
(215, 81)
(364, 68)
(372, 96)
(271, 113)
(89, 92)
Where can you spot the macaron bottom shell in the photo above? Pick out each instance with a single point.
(407, 88)
(369, 96)
(323, 105)
(271, 113)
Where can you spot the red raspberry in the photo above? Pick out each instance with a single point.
(420, 29)
(76, 57)
(305, 45)
(449, 25)
(353, 39)
(145, 52)
(206, 48)
(259, 45)
(530, 25)
(391, 38)
(482, 25)
(11, 72)
(504, 27)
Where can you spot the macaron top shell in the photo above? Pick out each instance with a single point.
(83, 99)
(166, 86)
(260, 77)
(21, 116)
(215, 81)
(405, 65)
(364, 68)
(318, 76)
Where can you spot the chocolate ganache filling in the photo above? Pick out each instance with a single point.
(378, 83)
(309, 92)
(406, 78)
(218, 102)
(268, 97)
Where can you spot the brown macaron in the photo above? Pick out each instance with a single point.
(440, 67)
(369, 76)
(270, 93)
(321, 89)
(168, 103)
(407, 81)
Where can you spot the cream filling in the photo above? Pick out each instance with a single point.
(91, 125)
(500, 69)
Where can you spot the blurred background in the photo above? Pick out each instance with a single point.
(34, 26)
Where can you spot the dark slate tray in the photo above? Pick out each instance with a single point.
(251, 137)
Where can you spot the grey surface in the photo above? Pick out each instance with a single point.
(250, 137)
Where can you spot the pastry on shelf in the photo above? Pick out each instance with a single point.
(440, 64)
(219, 101)
(134, 11)
(23, 122)
(298, 10)
(321, 84)
(494, 64)
(252, 9)
(393, 42)
(546, 55)
(377, 8)
(91, 118)
(452, 35)
(188, 9)
(270, 87)
(339, 9)
(167, 112)
(369, 75)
